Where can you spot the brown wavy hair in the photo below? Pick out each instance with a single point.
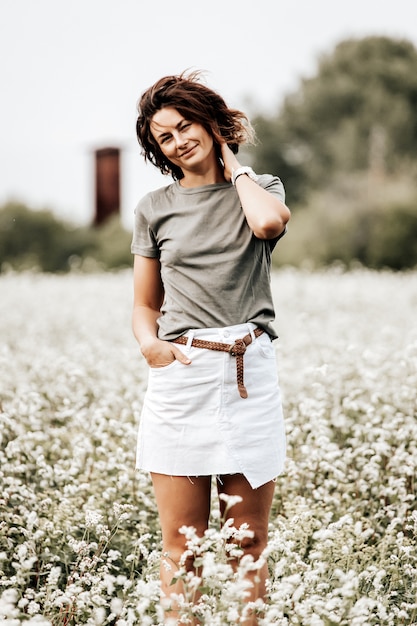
(195, 102)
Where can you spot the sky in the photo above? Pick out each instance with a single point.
(72, 72)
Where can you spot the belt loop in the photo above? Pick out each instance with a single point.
(190, 337)
(251, 332)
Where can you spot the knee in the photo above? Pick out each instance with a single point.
(253, 542)
(176, 550)
(177, 557)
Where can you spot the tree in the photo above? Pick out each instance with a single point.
(359, 112)
(37, 239)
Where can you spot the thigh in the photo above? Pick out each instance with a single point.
(255, 505)
(181, 501)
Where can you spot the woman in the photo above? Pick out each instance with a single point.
(202, 316)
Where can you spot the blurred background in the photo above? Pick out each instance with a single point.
(331, 90)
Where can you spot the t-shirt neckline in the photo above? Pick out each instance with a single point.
(202, 188)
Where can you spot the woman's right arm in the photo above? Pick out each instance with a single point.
(148, 295)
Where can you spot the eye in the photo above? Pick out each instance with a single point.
(185, 125)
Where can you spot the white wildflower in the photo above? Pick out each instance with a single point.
(92, 518)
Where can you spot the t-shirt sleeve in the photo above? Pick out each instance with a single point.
(274, 185)
(143, 241)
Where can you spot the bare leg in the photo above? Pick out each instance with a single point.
(181, 501)
(254, 510)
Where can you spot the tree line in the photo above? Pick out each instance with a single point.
(38, 240)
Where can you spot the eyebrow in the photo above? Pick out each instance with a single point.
(166, 133)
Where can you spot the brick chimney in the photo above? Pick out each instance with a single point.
(107, 180)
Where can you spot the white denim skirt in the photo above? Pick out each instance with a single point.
(195, 423)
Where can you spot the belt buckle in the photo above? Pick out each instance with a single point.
(238, 348)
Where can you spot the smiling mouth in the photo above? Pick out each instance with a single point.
(187, 152)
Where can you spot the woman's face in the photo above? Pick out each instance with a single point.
(185, 143)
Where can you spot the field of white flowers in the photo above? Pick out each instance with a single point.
(79, 536)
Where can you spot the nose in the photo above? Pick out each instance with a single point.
(180, 139)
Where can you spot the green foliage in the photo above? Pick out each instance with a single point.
(355, 220)
(38, 240)
(113, 245)
(358, 112)
(393, 237)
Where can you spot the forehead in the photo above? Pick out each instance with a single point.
(165, 118)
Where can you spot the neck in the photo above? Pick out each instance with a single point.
(207, 177)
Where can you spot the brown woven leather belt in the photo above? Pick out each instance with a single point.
(236, 349)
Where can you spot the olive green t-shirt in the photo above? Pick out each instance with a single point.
(214, 270)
